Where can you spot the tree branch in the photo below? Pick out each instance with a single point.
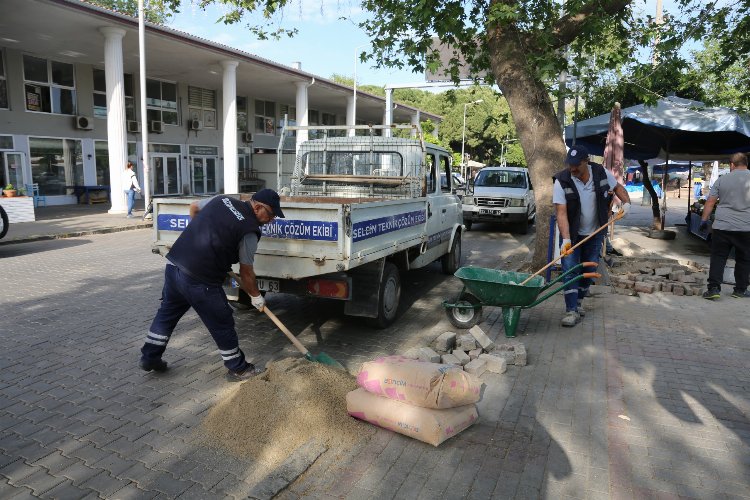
(567, 28)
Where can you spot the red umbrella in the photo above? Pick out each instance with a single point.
(615, 145)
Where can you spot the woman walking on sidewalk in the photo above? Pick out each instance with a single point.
(130, 185)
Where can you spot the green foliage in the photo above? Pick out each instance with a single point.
(9, 187)
(156, 11)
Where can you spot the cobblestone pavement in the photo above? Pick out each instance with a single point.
(646, 398)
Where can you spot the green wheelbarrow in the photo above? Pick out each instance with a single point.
(510, 290)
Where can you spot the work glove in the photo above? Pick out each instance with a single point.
(565, 247)
(625, 208)
(704, 225)
(258, 302)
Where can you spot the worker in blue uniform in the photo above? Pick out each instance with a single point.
(222, 231)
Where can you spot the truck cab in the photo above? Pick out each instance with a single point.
(502, 195)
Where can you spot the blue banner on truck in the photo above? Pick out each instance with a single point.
(172, 222)
(301, 230)
(375, 227)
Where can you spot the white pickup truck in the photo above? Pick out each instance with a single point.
(500, 194)
(361, 211)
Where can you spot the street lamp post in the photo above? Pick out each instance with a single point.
(463, 139)
(353, 132)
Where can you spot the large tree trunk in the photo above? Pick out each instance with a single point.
(536, 125)
(654, 199)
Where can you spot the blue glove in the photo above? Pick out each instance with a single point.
(704, 225)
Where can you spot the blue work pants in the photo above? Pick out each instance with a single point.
(588, 252)
(180, 293)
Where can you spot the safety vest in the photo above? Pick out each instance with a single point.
(209, 246)
(573, 199)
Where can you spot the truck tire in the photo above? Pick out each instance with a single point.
(452, 260)
(389, 296)
(4, 221)
(467, 313)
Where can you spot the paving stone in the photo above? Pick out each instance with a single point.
(475, 354)
(450, 359)
(427, 354)
(445, 342)
(662, 271)
(643, 287)
(494, 364)
(412, 353)
(466, 342)
(476, 367)
(482, 339)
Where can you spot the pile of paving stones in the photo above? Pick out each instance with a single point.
(472, 351)
(677, 280)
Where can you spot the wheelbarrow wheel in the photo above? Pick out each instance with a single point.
(464, 314)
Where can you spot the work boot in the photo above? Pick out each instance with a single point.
(737, 294)
(570, 319)
(246, 374)
(156, 365)
(712, 294)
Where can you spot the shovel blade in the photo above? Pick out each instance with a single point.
(324, 359)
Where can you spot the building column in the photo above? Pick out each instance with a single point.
(350, 121)
(415, 121)
(388, 116)
(229, 131)
(116, 134)
(302, 114)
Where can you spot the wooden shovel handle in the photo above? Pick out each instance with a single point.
(286, 331)
(619, 215)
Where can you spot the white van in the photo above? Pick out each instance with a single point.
(501, 195)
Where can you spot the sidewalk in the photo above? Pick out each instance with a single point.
(67, 221)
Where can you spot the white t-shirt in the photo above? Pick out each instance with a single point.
(588, 222)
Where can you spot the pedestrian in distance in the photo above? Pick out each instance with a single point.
(582, 195)
(130, 186)
(222, 231)
(730, 194)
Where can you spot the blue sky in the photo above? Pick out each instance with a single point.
(325, 43)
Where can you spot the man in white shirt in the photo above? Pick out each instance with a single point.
(582, 195)
(130, 186)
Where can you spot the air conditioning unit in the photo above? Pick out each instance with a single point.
(84, 122)
(196, 125)
(134, 127)
(156, 126)
(247, 137)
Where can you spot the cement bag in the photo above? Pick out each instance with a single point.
(426, 424)
(420, 383)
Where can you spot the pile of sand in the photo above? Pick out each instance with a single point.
(270, 416)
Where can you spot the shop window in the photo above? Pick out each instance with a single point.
(291, 115)
(161, 102)
(202, 106)
(265, 117)
(3, 83)
(49, 86)
(100, 95)
(55, 164)
(242, 113)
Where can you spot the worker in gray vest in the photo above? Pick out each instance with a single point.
(582, 195)
(730, 228)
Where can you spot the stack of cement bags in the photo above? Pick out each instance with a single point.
(427, 401)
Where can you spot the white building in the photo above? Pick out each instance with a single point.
(70, 112)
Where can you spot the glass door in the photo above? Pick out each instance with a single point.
(203, 173)
(13, 170)
(165, 170)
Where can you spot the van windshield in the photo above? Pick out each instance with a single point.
(501, 178)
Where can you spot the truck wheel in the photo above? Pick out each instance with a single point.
(4, 223)
(467, 225)
(452, 260)
(389, 296)
(465, 315)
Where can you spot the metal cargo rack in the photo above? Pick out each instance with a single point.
(368, 164)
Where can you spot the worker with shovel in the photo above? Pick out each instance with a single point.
(582, 194)
(222, 232)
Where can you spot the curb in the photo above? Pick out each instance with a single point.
(76, 234)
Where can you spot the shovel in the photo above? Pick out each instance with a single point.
(322, 358)
(617, 217)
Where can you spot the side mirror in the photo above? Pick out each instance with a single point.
(470, 188)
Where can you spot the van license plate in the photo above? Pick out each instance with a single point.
(268, 285)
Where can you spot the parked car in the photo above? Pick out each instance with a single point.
(502, 195)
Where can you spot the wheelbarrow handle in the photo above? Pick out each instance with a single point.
(619, 215)
(592, 275)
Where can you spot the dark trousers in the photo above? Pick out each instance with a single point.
(588, 252)
(722, 243)
(180, 293)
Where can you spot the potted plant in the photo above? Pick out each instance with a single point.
(9, 191)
